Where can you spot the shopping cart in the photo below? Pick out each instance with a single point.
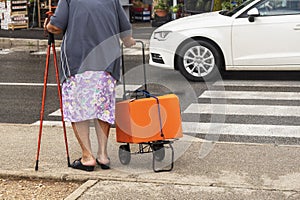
(152, 134)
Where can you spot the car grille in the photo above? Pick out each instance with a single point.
(157, 58)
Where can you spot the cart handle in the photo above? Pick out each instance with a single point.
(123, 67)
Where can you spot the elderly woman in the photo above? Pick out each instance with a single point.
(90, 68)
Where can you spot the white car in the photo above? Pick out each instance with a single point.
(258, 35)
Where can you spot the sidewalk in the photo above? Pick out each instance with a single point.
(228, 171)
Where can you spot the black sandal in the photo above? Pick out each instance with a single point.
(103, 166)
(77, 164)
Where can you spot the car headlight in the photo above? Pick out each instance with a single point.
(161, 35)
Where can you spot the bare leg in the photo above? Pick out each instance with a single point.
(102, 131)
(82, 133)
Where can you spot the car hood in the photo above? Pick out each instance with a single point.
(210, 19)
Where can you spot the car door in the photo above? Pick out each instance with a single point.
(271, 40)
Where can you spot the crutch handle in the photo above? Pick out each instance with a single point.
(47, 20)
(49, 13)
(50, 35)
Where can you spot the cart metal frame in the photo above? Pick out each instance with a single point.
(157, 148)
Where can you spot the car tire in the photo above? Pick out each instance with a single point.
(197, 56)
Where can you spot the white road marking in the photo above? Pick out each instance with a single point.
(293, 84)
(56, 113)
(250, 110)
(28, 84)
(242, 129)
(119, 95)
(5, 51)
(120, 91)
(234, 109)
(251, 95)
(237, 109)
(52, 123)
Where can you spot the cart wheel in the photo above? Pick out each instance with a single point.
(158, 151)
(124, 154)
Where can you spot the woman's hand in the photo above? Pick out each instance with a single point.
(50, 28)
(46, 22)
(128, 41)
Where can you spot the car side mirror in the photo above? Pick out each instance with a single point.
(252, 14)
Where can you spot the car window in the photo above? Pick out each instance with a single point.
(278, 7)
(198, 6)
(235, 10)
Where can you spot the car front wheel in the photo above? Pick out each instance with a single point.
(198, 60)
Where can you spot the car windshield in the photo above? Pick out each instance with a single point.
(235, 10)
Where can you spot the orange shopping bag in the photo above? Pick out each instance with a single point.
(148, 119)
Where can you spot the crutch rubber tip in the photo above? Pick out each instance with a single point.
(37, 165)
(69, 164)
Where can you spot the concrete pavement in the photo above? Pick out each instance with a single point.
(202, 170)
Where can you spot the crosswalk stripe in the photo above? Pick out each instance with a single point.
(27, 84)
(242, 129)
(51, 123)
(292, 84)
(237, 129)
(120, 91)
(119, 95)
(234, 109)
(57, 113)
(5, 51)
(250, 95)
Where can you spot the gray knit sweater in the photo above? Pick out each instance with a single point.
(92, 35)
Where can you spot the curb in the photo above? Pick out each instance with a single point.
(40, 45)
(19, 44)
(205, 182)
(81, 190)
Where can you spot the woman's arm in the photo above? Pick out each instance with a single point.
(59, 19)
(53, 29)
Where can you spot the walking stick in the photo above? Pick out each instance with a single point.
(51, 44)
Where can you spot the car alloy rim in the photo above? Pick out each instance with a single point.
(198, 61)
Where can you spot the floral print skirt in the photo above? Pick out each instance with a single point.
(89, 95)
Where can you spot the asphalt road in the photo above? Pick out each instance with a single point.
(21, 85)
